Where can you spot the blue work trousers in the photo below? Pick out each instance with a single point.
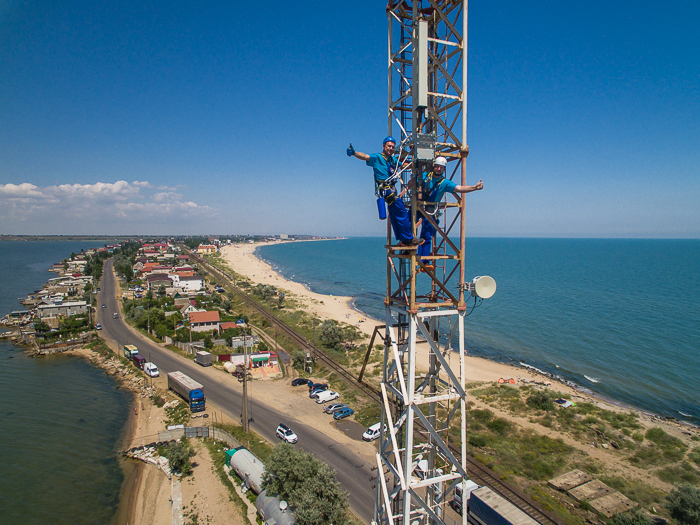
(426, 233)
(400, 220)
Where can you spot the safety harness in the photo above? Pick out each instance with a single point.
(385, 188)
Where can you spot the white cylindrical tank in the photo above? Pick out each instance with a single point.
(272, 510)
(248, 467)
(229, 367)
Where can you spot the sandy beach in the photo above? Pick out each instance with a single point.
(244, 261)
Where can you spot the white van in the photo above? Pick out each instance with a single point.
(373, 432)
(326, 396)
(150, 369)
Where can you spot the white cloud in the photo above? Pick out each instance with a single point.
(123, 206)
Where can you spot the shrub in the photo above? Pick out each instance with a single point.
(179, 455)
(684, 505)
(541, 400)
(634, 517)
(298, 358)
(307, 484)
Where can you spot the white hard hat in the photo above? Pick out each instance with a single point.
(441, 161)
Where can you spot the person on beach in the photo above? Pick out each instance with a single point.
(385, 165)
(435, 185)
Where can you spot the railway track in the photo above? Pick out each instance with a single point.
(478, 473)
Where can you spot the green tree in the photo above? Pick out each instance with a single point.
(307, 484)
(684, 505)
(161, 290)
(330, 333)
(208, 343)
(179, 455)
(41, 326)
(298, 358)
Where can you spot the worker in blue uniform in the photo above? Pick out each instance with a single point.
(385, 166)
(435, 185)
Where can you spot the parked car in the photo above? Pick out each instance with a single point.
(98, 326)
(151, 369)
(286, 434)
(324, 396)
(373, 432)
(317, 386)
(300, 381)
(316, 391)
(343, 412)
(334, 407)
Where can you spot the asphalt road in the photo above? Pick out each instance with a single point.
(352, 472)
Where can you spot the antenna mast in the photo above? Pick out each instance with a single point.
(427, 73)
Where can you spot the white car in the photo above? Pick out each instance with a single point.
(287, 434)
(150, 369)
(373, 432)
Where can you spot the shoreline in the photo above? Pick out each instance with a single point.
(249, 263)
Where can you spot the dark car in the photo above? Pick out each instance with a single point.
(104, 305)
(334, 407)
(300, 381)
(313, 393)
(343, 412)
(317, 386)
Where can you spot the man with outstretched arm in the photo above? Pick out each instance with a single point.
(385, 166)
(435, 185)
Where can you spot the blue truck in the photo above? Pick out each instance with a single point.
(189, 389)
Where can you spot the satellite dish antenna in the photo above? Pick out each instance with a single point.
(484, 286)
(283, 506)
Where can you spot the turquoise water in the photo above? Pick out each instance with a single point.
(61, 418)
(620, 318)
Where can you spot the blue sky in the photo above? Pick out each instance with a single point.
(172, 117)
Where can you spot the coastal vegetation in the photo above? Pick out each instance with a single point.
(307, 484)
(518, 431)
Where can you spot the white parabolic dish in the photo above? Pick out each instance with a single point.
(484, 286)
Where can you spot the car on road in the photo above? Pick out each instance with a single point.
(324, 396)
(286, 434)
(343, 412)
(104, 305)
(98, 326)
(334, 407)
(116, 315)
(150, 369)
(300, 381)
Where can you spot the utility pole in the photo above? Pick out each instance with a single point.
(244, 414)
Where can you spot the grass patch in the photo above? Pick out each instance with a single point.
(677, 474)
(548, 502)
(250, 440)
(368, 414)
(218, 456)
(662, 449)
(694, 456)
(635, 490)
(177, 415)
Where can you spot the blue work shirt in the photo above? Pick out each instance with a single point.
(380, 166)
(435, 189)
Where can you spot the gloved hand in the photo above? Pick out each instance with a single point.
(351, 151)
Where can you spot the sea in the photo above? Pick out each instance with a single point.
(618, 318)
(61, 419)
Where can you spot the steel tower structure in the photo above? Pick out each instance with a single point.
(425, 307)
